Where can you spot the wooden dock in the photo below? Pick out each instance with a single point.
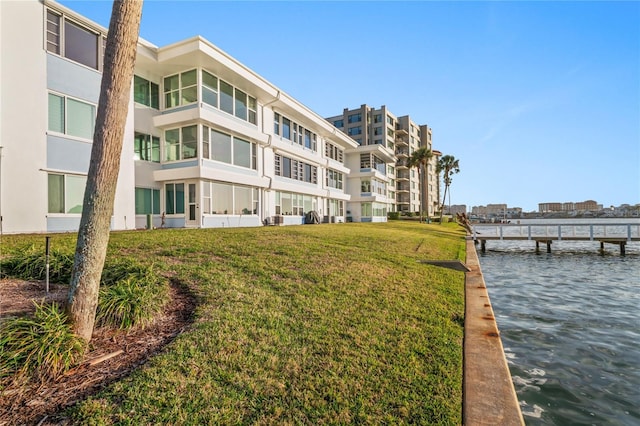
(611, 233)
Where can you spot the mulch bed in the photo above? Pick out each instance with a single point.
(43, 403)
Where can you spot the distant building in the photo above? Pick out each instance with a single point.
(496, 211)
(570, 207)
(390, 141)
(550, 207)
(456, 208)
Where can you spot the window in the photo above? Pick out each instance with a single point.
(355, 131)
(180, 89)
(147, 201)
(66, 193)
(172, 145)
(71, 117)
(294, 132)
(222, 95)
(276, 123)
(390, 132)
(366, 209)
(226, 97)
(146, 147)
(365, 186)
(354, 118)
(146, 92)
(294, 169)
(241, 105)
(210, 89)
(333, 152)
(334, 179)
(189, 142)
(292, 204)
(365, 161)
(286, 128)
(338, 123)
(232, 150)
(230, 199)
(242, 153)
(174, 198)
(377, 131)
(377, 118)
(181, 144)
(53, 32)
(390, 120)
(80, 45)
(73, 41)
(253, 110)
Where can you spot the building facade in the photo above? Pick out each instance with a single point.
(391, 140)
(209, 142)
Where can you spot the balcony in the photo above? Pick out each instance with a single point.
(402, 153)
(402, 164)
(401, 132)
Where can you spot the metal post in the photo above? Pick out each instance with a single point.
(46, 251)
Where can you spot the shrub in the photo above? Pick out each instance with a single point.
(131, 295)
(41, 345)
(393, 215)
(30, 263)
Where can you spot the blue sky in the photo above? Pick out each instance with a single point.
(540, 101)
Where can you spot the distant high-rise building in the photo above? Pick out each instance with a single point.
(392, 139)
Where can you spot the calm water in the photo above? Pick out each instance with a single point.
(570, 325)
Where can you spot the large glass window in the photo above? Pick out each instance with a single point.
(73, 41)
(147, 201)
(295, 169)
(241, 104)
(220, 146)
(210, 89)
(181, 144)
(180, 89)
(242, 153)
(146, 92)
(174, 198)
(80, 45)
(80, 119)
(146, 147)
(334, 179)
(56, 193)
(189, 142)
(71, 116)
(66, 193)
(172, 145)
(222, 199)
(226, 97)
(286, 128)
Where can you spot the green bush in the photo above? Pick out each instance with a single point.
(131, 295)
(393, 215)
(30, 263)
(42, 345)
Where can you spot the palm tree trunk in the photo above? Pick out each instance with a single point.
(443, 201)
(93, 235)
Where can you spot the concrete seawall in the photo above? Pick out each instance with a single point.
(489, 397)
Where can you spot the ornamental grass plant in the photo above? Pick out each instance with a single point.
(41, 345)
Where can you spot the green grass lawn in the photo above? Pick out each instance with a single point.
(323, 324)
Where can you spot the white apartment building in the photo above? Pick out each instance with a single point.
(209, 142)
(390, 141)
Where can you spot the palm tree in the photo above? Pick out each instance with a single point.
(420, 159)
(99, 195)
(448, 165)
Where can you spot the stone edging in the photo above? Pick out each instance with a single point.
(489, 397)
